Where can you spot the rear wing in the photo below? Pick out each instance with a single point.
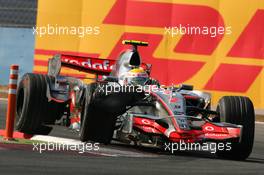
(91, 65)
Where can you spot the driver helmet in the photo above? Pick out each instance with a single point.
(136, 76)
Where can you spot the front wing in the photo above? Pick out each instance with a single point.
(208, 131)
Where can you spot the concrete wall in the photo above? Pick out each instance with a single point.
(17, 18)
(16, 47)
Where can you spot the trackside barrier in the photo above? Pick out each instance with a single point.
(11, 106)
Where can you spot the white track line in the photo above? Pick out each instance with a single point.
(66, 141)
(56, 139)
(262, 123)
(102, 151)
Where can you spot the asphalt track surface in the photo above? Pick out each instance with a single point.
(21, 159)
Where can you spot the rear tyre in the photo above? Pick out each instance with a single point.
(33, 108)
(31, 92)
(238, 110)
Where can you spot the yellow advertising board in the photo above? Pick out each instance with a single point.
(218, 46)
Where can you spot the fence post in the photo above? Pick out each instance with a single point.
(11, 106)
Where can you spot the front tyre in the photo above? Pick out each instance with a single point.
(96, 124)
(240, 111)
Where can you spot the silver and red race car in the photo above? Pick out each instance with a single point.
(124, 103)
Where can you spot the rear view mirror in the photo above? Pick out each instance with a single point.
(110, 79)
(54, 65)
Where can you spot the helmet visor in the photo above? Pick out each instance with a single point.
(137, 80)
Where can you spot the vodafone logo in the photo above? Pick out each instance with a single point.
(146, 122)
(90, 63)
(209, 128)
(215, 135)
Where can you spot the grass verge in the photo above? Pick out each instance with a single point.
(20, 141)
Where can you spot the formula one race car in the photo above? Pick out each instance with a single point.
(124, 103)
